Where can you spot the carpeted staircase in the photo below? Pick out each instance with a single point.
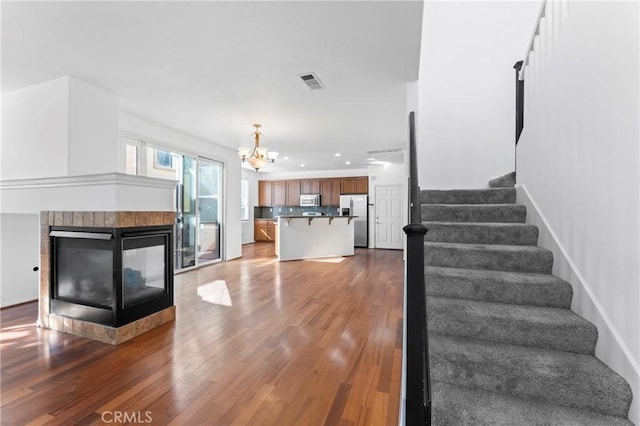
(505, 348)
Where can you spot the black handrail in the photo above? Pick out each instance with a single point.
(519, 101)
(418, 383)
(414, 197)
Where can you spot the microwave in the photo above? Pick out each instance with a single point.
(310, 200)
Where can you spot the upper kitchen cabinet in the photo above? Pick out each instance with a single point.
(265, 196)
(309, 186)
(293, 192)
(354, 185)
(330, 192)
(279, 197)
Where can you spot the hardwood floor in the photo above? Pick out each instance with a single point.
(303, 343)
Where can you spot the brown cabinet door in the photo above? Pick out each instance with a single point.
(310, 186)
(293, 192)
(264, 193)
(330, 192)
(325, 192)
(260, 231)
(348, 186)
(362, 185)
(355, 185)
(271, 233)
(335, 192)
(279, 197)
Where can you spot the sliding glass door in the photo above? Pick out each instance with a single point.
(209, 210)
(199, 213)
(186, 217)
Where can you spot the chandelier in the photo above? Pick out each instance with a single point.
(259, 155)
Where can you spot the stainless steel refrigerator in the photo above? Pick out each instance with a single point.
(357, 205)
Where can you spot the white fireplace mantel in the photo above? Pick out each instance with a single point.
(99, 192)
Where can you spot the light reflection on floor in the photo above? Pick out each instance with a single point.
(215, 292)
(327, 260)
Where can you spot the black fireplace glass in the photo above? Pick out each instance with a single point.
(143, 269)
(85, 272)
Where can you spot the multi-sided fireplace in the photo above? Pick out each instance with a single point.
(106, 275)
(110, 276)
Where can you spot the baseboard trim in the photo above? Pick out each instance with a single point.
(15, 305)
(610, 348)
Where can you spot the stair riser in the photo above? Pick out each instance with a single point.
(516, 261)
(552, 295)
(469, 196)
(478, 234)
(582, 382)
(458, 405)
(450, 213)
(573, 337)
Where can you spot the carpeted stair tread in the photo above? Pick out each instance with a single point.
(535, 326)
(506, 181)
(468, 196)
(489, 256)
(482, 233)
(506, 213)
(558, 377)
(498, 286)
(461, 406)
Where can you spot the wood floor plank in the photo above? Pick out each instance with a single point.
(303, 343)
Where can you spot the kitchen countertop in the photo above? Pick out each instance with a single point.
(314, 217)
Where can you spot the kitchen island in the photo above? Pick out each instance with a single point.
(308, 237)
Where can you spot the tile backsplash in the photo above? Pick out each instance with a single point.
(275, 211)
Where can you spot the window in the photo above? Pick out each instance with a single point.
(163, 160)
(244, 200)
(144, 159)
(131, 159)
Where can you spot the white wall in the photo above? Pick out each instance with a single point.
(59, 128)
(184, 143)
(465, 129)
(93, 129)
(19, 237)
(35, 131)
(578, 164)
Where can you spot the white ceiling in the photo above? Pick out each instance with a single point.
(212, 69)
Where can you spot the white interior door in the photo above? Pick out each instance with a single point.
(389, 217)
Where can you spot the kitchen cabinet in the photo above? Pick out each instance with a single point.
(287, 192)
(354, 185)
(279, 193)
(265, 193)
(264, 230)
(293, 192)
(330, 192)
(309, 186)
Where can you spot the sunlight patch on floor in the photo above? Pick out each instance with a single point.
(215, 292)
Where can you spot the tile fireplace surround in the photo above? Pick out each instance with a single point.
(119, 219)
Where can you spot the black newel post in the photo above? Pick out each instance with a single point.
(519, 101)
(418, 389)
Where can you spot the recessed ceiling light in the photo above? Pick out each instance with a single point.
(337, 154)
(285, 158)
(347, 162)
(371, 159)
(301, 165)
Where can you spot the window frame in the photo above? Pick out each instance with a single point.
(244, 200)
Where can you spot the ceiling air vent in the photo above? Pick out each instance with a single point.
(312, 81)
(386, 151)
